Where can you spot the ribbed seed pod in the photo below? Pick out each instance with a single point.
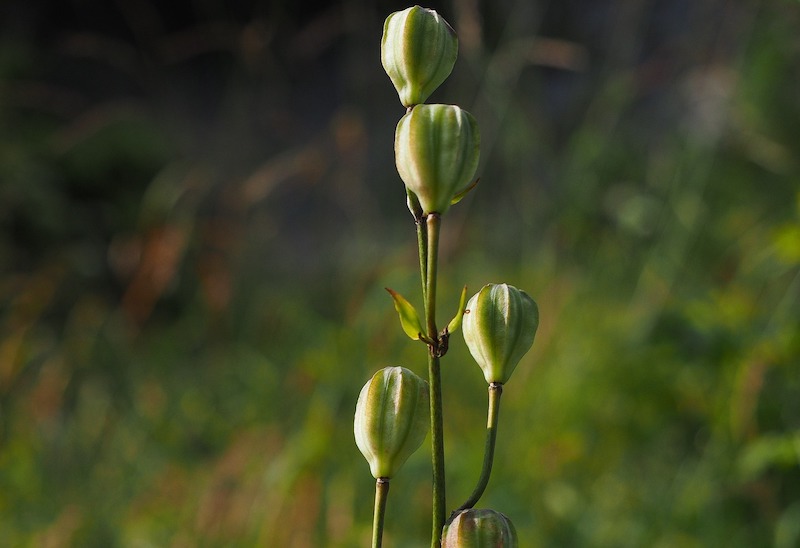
(391, 420)
(479, 529)
(499, 329)
(418, 51)
(436, 149)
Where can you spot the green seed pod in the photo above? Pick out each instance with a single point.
(499, 329)
(436, 149)
(479, 529)
(392, 417)
(418, 51)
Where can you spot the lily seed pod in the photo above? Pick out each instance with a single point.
(392, 418)
(436, 150)
(479, 529)
(499, 329)
(418, 51)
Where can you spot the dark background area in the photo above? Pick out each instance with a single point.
(199, 211)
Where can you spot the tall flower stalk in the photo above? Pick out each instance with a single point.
(436, 349)
(437, 148)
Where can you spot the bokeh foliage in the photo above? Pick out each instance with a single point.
(200, 211)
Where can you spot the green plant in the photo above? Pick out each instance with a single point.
(437, 149)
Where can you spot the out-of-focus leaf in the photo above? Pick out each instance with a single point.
(776, 450)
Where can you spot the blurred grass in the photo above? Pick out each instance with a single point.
(200, 212)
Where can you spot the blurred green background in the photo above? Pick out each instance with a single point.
(200, 212)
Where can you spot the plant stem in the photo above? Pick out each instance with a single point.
(437, 450)
(495, 391)
(381, 494)
(422, 247)
(432, 222)
(430, 262)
